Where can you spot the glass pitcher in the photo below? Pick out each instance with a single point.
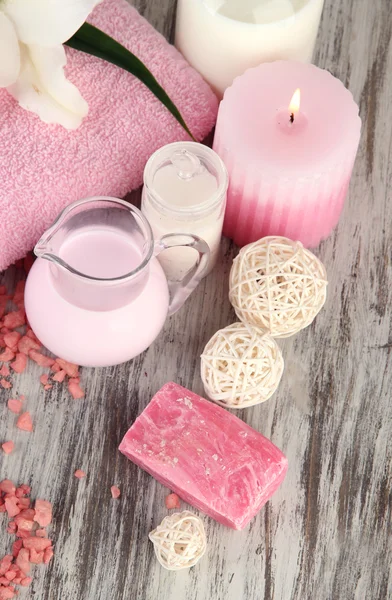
(97, 295)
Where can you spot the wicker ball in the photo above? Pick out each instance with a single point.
(241, 366)
(179, 541)
(277, 285)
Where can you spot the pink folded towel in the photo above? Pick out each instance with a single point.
(45, 167)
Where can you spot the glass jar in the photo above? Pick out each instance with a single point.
(185, 188)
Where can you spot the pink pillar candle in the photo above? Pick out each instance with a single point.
(289, 165)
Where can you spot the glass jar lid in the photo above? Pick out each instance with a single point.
(185, 178)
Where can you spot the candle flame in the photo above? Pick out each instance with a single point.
(295, 102)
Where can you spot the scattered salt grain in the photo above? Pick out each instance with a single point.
(14, 319)
(71, 369)
(80, 474)
(59, 376)
(19, 363)
(172, 501)
(24, 422)
(74, 389)
(43, 512)
(26, 344)
(7, 355)
(41, 359)
(115, 491)
(14, 405)
(8, 447)
(11, 340)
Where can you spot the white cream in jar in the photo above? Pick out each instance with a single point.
(185, 186)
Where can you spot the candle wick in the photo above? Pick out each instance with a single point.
(292, 117)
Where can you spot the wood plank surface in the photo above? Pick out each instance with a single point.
(326, 534)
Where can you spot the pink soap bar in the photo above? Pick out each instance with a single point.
(206, 455)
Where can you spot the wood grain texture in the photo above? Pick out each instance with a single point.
(326, 534)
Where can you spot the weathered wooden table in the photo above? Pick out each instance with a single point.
(326, 534)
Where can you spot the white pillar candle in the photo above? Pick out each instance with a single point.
(185, 187)
(223, 38)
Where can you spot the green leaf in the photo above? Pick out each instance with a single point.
(91, 40)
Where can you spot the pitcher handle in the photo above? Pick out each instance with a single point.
(181, 290)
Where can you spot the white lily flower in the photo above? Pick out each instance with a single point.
(32, 56)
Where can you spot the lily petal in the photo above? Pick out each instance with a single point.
(47, 22)
(42, 87)
(9, 52)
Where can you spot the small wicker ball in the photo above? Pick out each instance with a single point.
(179, 541)
(241, 366)
(277, 285)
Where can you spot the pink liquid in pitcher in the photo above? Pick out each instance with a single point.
(97, 323)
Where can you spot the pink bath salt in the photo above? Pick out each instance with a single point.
(43, 512)
(36, 558)
(4, 371)
(14, 319)
(71, 369)
(39, 544)
(55, 368)
(115, 491)
(23, 559)
(23, 503)
(7, 487)
(25, 524)
(14, 405)
(59, 376)
(172, 501)
(41, 359)
(11, 339)
(7, 593)
(75, 390)
(41, 533)
(4, 330)
(19, 363)
(7, 355)
(5, 564)
(7, 385)
(30, 333)
(16, 547)
(27, 514)
(11, 506)
(25, 489)
(48, 387)
(44, 379)
(10, 575)
(4, 581)
(24, 422)
(80, 474)
(8, 447)
(26, 344)
(48, 554)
